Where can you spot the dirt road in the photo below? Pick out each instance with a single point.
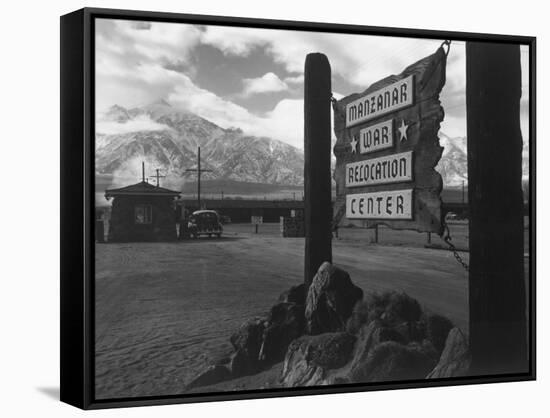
(166, 310)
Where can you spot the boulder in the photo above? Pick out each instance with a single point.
(310, 357)
(410, 331)
(212, 375)
(437, 329)
(393, 308)
(455, 358)
(285, 323)
(391, 360)
(241, 364)
(248, 338)
(370, 336)
(330, 300)
(296, 294)
(359, 317)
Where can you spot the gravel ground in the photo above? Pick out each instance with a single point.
(164, 311)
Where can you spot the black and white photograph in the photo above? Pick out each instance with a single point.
(237, 209)
(281, 209)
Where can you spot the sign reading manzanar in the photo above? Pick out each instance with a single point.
(387, 148)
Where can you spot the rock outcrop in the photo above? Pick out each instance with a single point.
(330, 335)
(310, 358)
(212, 375)
(391, 360)
(247, 341)
(285, 323)
(455, 359)
(296, 294)
(330, 300)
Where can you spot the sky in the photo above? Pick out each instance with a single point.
(252, 79)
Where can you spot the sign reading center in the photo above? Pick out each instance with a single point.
(388, 99)
(395, 204)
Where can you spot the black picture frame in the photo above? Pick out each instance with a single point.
(77, 205)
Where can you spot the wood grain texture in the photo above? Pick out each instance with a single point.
(424, 118)
(497, 292)
(317, 184)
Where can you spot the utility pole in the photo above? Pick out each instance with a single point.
(198, 170)
(157, 176)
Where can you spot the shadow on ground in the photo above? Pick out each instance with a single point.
(51, 392)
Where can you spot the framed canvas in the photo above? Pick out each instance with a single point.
(255, 208)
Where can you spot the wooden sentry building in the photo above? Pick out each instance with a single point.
(142, 212)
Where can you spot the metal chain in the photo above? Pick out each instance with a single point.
(446, 43)
(447, 238)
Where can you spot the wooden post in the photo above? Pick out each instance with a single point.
(376, 234)
(498, 328)
(317, 173)
(429, 234)
(199, 177)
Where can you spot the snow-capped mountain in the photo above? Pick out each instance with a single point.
(453, 165)
(168, 138)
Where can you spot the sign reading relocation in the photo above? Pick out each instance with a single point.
(376, 137)
(388, 99)
(396, 204)
(383, 170)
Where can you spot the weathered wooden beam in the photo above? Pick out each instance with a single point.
(497, 297)
(317, 153)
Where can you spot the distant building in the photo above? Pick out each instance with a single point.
(142, 212)
(241, 210)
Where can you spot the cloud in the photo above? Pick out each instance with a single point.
(268, 83)
(127, 54)
(240, 42)
(139, 123)
(299, 79)
(283, 122)
(161, 41)
(360, 59)
(139, 62)
(141, 25)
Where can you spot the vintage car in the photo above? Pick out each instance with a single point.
(204, 222)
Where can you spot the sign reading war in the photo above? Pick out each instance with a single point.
(387, 148)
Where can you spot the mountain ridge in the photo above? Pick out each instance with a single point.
(168, 139)
(172, 147)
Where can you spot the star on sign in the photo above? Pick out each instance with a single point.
(353, 144)
(403, 130)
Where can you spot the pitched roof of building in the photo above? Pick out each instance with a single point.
(140, 189)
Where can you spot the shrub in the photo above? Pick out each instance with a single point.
(401, 307)
(359, 317)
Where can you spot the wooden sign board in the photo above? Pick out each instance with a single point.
(256, 220)
(387, 148)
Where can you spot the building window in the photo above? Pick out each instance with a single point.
(143, 214)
